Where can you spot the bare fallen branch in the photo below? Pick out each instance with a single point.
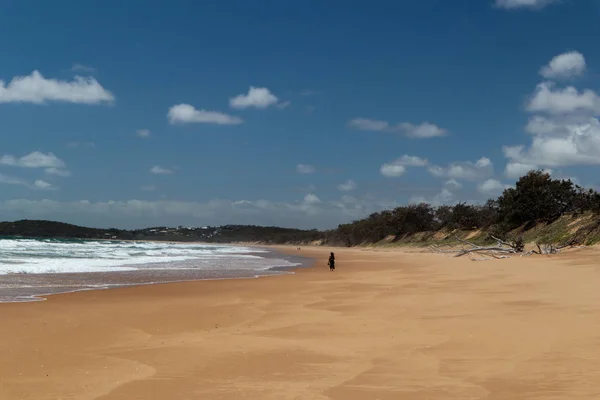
(465, 241)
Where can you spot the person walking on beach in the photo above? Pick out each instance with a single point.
(331, 262)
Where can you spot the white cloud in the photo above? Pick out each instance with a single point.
(551, 100)
(514, 4)
(35, 159)
(492, 187)
(148, 188)
(566, 133)
(347, 186)
(160, 170)
(143, 133)
(445, 197)
(453, 184)
(572, 144)
(305, 169)
(424, 130)
(397, 167)
(311, 199)
(411, 161)
(58, 172)
(186, 114)
(579, 148)
(566, 65)
(257, 97)
(36, 89)
(392, 170)
(82, 68)
(539, 125)
(40, 184)
(516, 170)
(366, 124)
(466, 170)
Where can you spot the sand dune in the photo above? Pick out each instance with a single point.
(385, 325)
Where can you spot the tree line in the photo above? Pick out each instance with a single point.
(535, 198)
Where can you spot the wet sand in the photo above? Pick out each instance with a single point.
(384, 325)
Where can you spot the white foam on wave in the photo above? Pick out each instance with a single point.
(47, 256)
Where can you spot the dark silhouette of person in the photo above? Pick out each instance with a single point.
(331, 262)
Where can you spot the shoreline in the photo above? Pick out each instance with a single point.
(70, 282)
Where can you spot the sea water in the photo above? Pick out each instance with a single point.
(30, 268)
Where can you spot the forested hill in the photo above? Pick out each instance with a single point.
(220, 234)
(537, 208)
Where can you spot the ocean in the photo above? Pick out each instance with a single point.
(32, 268)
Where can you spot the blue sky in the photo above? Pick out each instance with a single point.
(294, 113)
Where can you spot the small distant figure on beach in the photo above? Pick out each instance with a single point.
(331, 262)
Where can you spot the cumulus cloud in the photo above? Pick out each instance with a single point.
(565, 130)
(257, 97)
(392, 170)
(143, 133)
(305, 169)
(515, 170)
(40, 184)
(453, 184)
(566, 65)
(347, 186)
(397, 167)
(311, 199)
(580, 145)
(549, 99)
(411, 161)
(157, 169)
(11, 180)
(492, 187)
(515, 4)
(466, 170)
(36, 89)
(58, 172)
(445, 197)
(36, 159)
(187, 114)
(424, 130)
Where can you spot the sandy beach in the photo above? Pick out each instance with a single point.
(387, 324)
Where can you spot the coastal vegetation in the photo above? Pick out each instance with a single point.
(537, 208)
(534, 202)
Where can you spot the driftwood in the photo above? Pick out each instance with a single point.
(489, 251)
(551, 249)
(503, 249)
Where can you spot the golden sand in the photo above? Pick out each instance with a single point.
(385, 325)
